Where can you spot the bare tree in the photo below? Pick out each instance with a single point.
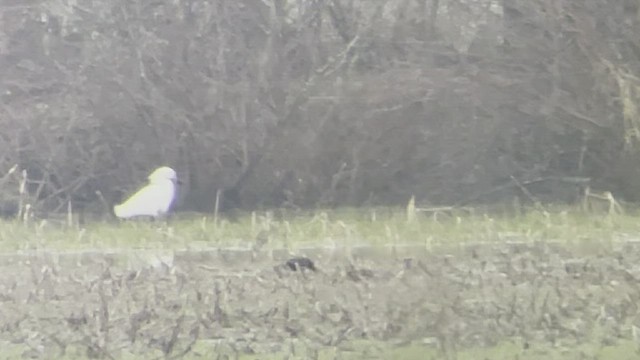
(319, 103)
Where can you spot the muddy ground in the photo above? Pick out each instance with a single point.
(234, 303)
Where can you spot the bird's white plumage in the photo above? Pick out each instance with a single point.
(155, 199)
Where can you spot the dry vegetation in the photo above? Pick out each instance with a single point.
(544, 300)
(543, 285)
(319, 103)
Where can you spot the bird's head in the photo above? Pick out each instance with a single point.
(163, 173)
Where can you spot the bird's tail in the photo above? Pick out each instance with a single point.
(119, 211)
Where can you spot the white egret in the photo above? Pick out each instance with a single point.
(155, 199)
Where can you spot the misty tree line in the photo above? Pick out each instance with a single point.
(307, 103)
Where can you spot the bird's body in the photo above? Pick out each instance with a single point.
(155, 199)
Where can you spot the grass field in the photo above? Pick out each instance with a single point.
(351, 227)
(392, 284)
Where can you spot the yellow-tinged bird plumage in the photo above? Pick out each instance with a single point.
(155, 199)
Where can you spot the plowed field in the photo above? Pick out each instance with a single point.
(531, 300)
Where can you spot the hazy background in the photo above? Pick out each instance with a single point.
(319, 103)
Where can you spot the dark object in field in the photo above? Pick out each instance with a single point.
(356, 274)
(300, 263)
